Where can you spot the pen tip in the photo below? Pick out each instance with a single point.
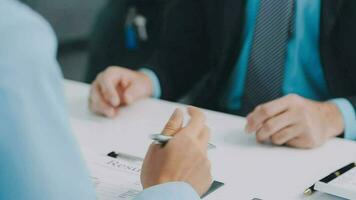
(308, 192)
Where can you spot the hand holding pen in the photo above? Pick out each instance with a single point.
(184, 158)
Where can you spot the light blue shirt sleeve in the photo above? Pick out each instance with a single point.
(156, 84)
(169, 191)
(40, 159)
(349, 116)
(303, 69)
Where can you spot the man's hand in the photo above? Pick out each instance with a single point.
(296, 122)
(183, 158)
(115, 87)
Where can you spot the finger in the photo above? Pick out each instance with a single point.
(154, 147)
(285, 135)
(196, 122)
(204, 138)
(174, 124)
(99, 105)
(264, 112)
(296, 143)
(108, 83)
(132, 93)
(152, 151)
(274, 125)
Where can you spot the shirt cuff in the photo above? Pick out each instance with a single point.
(156, 84)
(349, 115)
(169, 191)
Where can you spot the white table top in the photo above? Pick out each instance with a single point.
(249, 170)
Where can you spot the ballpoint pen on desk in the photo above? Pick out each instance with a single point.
(330, 177)
(162, 139)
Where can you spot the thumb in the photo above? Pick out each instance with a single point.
(174, 124)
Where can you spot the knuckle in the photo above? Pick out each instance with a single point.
(309, 141)
(109, 72)
(295, 99)
(105, 76)
(111, 69)
(259, 108)
(276, 140)
(292, 96)
(97, 78)
(268, 127)
(264, 110)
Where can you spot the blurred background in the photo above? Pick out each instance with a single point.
(94, 34)
(72, 21)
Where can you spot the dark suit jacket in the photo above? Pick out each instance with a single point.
(203, 39)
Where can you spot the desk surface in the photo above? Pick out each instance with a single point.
(248, 169)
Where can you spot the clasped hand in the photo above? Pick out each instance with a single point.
(295, 121)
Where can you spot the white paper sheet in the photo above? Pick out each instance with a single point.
(115, 178)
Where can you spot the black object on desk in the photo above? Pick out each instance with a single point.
(330, 177)
(214, 186)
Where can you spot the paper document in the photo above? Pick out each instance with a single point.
(342, 186)
(116, 176)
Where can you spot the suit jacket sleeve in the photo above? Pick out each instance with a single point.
(180, 61)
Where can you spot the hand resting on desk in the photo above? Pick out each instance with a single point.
(296, 122)
(117, 86)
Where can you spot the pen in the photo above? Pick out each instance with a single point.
(163, 139)
(330, 177)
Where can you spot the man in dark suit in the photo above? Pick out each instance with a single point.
(288, 65)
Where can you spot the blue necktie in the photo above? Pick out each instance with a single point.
(264, 79)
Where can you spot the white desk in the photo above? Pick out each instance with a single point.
(248, 169)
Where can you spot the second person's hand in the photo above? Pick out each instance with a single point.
(296, 122)
(117, 86)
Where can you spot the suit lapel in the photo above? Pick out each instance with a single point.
(230, 20)
(233, 19)
(330, 10)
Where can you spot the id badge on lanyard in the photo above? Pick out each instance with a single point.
(135, 29)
